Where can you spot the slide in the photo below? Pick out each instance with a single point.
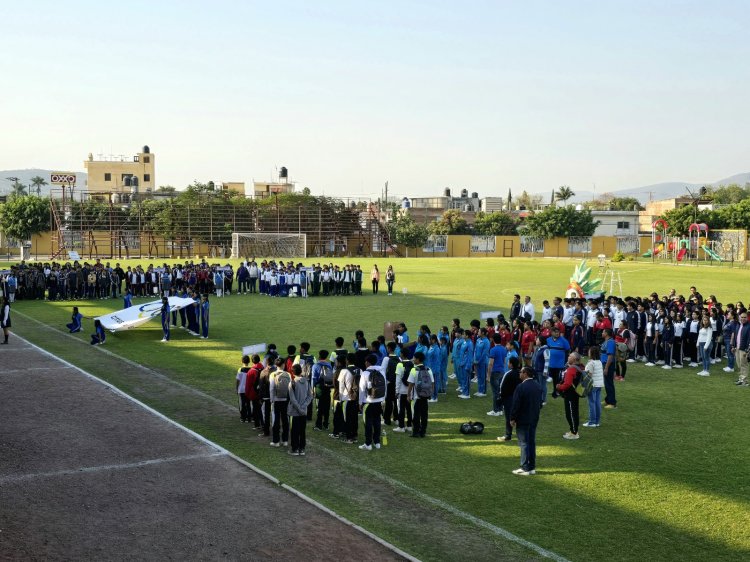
(647, 254)
(711, 254)
(681, 254)
(656, 251)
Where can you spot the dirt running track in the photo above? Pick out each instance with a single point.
(86, 474)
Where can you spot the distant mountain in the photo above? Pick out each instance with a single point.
(24, 177)
(664, 190)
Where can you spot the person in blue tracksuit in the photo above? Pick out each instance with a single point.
(127, 300)
(99, 337)
(183, 310)
(458, 344)
(75, 324)
(444, 339)
(165, 318)
(481, 358)
(467, 362)
(205, 307)
(433, 361)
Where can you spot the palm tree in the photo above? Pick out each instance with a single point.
(564, 193)
(17, 189)
(37, 182)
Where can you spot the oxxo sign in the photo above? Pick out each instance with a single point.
(62, 178)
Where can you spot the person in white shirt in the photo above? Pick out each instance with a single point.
(679, 329)
(705, 343)
(421, 384)
(527, 310)
(596, 370)
(546, 312)
(371, 406)
(348, 395)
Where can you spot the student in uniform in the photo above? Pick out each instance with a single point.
(467, 362)
(97, 338)
(279, 396)
(165, 318)
(240, 387)
(352, 405)
(300, 396)
(371, 404)
(252, 381)
(75, 324)
(205, 307)
(511, 379)
(264, 394)
(404, 418)
(481, 358)
(322, 382)
(496, 369)
(421, 383)
(5, 319)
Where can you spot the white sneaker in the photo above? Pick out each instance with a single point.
(493, 413)
(399, 430)
(474, 379)
(713, 361)
(365, 447)
(480, 394)
(377, 445)
(285, 443)
(164, 340)
(522, 472)
(464, 397)
(589, 424)
(728, 370)
(649, 364)
(677, 365)
(275, 445)
(451, 376)
(703, 374)
(660, 362)
(571, 436)
(668, 367)
(432, 400)
(691, 364)
(630, 361)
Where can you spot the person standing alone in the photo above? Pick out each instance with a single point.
(524, 416)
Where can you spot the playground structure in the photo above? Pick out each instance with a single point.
(694, 248)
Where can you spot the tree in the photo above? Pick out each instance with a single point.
(17, 189)
(729, 194)
(624, 204)
(495, 224)
(168, 189)
(680, 219)
(37, 182)
(556, 222)
(450, 223)
(22, 217)
(528, 201)
(564, 193)
(404, 231)
(735, 216)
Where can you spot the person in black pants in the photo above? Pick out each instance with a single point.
(511, 379)
(567, 389)
(420, 391)
(524, 417)
(322, 381)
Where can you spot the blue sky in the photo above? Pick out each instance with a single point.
(475, 94)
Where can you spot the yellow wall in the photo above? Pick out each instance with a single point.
(97, 168)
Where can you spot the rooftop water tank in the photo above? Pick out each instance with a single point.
(146, 149)
(447, 192)
(464, 193)
(474, 195)
(283, 173)
(405, 203)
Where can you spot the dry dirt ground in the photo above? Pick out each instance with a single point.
(86, 474)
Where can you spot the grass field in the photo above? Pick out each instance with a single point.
(665, 477)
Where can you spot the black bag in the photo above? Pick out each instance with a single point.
(471, 428)
(377, 384)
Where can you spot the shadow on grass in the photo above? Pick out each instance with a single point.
(585, 481)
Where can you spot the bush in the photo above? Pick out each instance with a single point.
(618, 256)
(630, 258)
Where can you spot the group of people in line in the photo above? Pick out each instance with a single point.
(503, 354)
(78, 281)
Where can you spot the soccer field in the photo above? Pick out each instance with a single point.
(664, 477)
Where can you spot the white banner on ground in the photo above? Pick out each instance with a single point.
(136, 315)
(250, 350)
(489, 314)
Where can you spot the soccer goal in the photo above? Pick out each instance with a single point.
(269, 245)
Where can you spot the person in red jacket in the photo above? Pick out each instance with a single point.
(251, 391)
(527, 342)
(567, 389)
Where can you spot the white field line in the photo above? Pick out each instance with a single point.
(219, 449)
(29, 369)
(425, 497)
(13, 478)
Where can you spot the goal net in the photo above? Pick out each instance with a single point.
(269, 245)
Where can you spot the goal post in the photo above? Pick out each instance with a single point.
(269, 245)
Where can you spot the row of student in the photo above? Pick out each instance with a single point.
(272, 394)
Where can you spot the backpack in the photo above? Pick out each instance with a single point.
(377, 384)
(306, 363)
(326, 376)
(424, 383)
(263, 384)
(390, 370)
(408, 366)
(354, 390)
(632, 340)
(584, 383)
(282, 384)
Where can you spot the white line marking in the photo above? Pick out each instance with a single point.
(28, 369)
(425, 497)
(220, 450)
(13, 478)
